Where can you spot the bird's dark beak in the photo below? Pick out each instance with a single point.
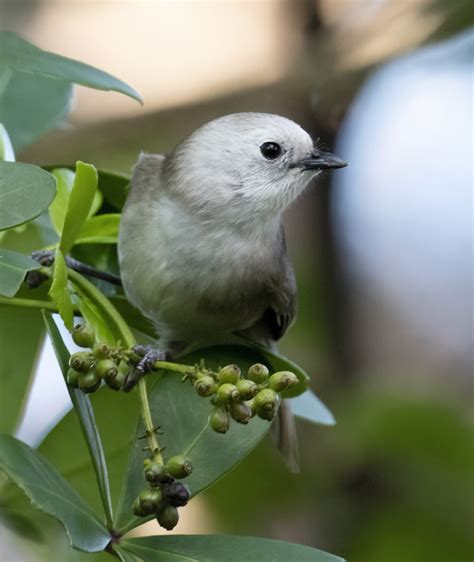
(321, 161)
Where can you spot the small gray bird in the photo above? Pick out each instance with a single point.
(202, 248)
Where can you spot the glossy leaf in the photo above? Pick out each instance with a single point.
(309, 407)
(85, 414)
(18, 54)
(31, 105)
(21, 334)
(34, 235)
(13, 268)
(7, 153)
(58, 209)
(49, 492)
(102, 229)
(79, 205)
(114, 188)
(116, 415)
(217, 548)
(25, 192)
(59, 292)
(183, 418)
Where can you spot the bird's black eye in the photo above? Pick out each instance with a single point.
(270, 150)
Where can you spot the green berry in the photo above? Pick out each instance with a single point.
(155, 472)
(137, 508)
(247, 389)
(83, 335)
(205, 385)
(106, 368)
(150, 500)
(219, 419)
(168, 517)
(179, 466)
(258, 373)
(266, 402)
(89, 382)
(116, 382)
(227, 393)
(101, 350)
(229, 373)
(72, 377)
(241, 412)
(252, 405)
(282, 380)
(82, 361)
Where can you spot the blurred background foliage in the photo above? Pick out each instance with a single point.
(382, 249)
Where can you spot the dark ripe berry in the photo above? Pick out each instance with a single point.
(240, 412)
(282, 380)
(82, 361)
(219, 419)
(101, 350)
(230, 374)
(155, 472)
(247, 389)
(168, 517)
(179, 466)
(83, 335)
(150, 500)
(88, 382)
(205, 385)
(176, 493)
(228, 393)
(106, 368)
(72, 377)
(258, 373)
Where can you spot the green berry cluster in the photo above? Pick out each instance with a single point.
(242, 397)
(103, 362)
(164, 494)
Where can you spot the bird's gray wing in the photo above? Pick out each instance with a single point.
(146, 177)
(280, 300)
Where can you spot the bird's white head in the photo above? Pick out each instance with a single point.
(245, 165)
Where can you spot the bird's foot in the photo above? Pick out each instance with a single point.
(43, 257)
(148, 356)
(35, 278)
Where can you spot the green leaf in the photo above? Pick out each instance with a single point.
(114, 188)
(85, 414)
(31, 105)
(116, 415)
(309, 407)
(217, 548)
(183, 418)
(102, 229)
(59, 292)
(80, 203)
(13, 268)
(33, 235)
(21, 334)
(58, 209)
(50, 493)
(7, 153)
(25, 192)
(18, 54)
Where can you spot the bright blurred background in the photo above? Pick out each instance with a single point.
(382, 249)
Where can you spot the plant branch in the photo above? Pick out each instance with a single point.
(28, 303)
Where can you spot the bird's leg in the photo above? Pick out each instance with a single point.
(46, 258)
(148, 355)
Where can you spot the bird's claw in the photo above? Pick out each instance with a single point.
(43, 257)
(148, 357)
